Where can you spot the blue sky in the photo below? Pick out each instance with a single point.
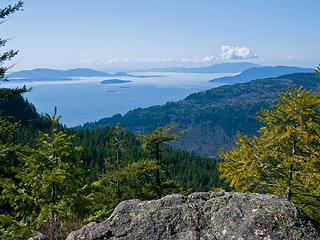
(115, 34)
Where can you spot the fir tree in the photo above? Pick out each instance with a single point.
(118, 159)
(122, 178)
(151, 143)
(10, 225)
(49, 186)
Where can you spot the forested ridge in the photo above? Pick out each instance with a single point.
(194, 171)
(104, 171)
(212, 117)
(191, 170)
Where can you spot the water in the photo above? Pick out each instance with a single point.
(83, 100)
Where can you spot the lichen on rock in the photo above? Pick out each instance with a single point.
(203, 216)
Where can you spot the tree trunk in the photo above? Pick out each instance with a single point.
(52, 199)
(158, 181)
(289, 190)
(118, 181)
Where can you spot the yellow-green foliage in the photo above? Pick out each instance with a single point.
(285, 158)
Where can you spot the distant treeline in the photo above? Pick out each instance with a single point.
(212, 117)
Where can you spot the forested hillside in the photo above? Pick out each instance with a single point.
(97, 168)
(212, 117)
(190, 170)
(261, 72)
(19, 108)
(195, 172)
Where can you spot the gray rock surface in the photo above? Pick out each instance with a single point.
(39, 237)
(203, 216)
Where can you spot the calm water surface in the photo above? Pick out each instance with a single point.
(83, 100)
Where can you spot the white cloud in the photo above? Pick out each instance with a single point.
(100, 61)
(236, 53)
(208, 59)
(204, 59)
(105, 61)
(157, 60)
(291, 58)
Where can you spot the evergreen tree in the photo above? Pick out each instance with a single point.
(118, 159)
(122, 179)
(134, 179)
(318, 70)
(8, 55)
(49, 187)
(151, 143)
(9, 147)
(285, 159)
(10, 228)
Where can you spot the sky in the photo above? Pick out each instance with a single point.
(131, 34)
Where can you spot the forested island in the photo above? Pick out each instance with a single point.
(114, 81)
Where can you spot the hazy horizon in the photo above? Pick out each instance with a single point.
(85, 99)
(126, 35)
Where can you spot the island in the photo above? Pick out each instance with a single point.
(114, 81)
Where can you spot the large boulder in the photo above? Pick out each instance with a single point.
(203, 216)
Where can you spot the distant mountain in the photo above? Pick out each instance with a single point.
(124, 74)
(53, 73)
(261, 72)
(46, 74)
(212, 117)
(121, 74)
(114, 81)
(216, 68)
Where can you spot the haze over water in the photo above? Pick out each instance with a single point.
(83, 100)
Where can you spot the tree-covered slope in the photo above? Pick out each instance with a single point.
(190, 170)
(261, 72)
(212, 117)
(18, 107)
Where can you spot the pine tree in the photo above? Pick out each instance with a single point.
(151, 143)
(285, 159)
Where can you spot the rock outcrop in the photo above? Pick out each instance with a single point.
(203, 216)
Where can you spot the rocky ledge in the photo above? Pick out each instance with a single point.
(203, 216)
